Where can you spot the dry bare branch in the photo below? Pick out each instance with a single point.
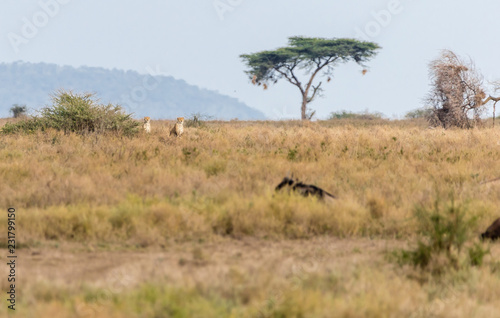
(457, 92)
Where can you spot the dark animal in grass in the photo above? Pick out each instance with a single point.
(493, 231)
(305, 190)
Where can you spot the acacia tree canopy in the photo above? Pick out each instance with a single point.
(315, 56)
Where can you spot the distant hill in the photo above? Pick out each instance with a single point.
(160, 97)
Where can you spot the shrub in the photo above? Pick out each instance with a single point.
(80, 113)
(444, 232)
(419, 113)
(344, 114)
(293, 154)
(477, 254)
(28, 126)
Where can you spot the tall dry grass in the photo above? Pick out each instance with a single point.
(219, 179)
(183, 194)
(323, 277)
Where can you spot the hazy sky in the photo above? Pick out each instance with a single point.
(200, 41)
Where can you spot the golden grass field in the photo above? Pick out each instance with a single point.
(156, 226)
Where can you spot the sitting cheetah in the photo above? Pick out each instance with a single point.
(178, 128)
(147, 124)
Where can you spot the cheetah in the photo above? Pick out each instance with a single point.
(147, 124)
(178, 128)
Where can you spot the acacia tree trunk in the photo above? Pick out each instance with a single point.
(305, 93)
(304, 107)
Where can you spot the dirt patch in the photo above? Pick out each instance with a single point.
(191, 263)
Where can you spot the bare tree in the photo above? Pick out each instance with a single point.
(457, 97)
(18, 110)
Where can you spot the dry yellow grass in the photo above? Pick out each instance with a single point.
(220, 179)
(320, 277)
(217, 183)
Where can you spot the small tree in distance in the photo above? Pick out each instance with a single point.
(18, 110)
(315, 56)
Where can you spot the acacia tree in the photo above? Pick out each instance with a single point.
(315, 56)
(457, 97)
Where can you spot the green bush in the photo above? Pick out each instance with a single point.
(477, 254)
(292, 154)
(79, 113)
(443, 234)
(82, 113)
(28, 126)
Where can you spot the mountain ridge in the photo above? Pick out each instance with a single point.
(155, 95)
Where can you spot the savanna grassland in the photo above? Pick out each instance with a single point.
(156, 226)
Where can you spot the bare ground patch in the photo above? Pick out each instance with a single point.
(191, 263)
